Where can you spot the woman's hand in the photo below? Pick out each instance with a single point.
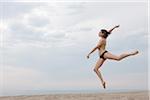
(117, 26)
(88, 56)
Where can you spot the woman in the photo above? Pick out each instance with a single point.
(104, 55)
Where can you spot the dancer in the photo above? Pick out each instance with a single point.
(104, 54)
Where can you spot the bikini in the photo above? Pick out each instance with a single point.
(102, 55)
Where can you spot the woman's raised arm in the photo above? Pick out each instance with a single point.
(113, 28)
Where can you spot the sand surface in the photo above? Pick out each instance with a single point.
(84, 96)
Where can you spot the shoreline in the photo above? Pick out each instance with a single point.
(49, 92)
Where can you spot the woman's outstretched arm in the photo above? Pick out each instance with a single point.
(98, 45)
(92, 51)
(113, 28)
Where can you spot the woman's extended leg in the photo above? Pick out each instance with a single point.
(118, 58)
(97, 66)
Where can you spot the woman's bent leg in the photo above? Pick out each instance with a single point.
(96, 70)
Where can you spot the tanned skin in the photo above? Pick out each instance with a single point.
(101, 48)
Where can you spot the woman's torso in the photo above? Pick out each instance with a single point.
(102, 47)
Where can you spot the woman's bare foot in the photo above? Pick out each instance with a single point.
(135, 52)
(104, 85)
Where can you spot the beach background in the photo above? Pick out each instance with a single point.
(43, 48)
(81, 96)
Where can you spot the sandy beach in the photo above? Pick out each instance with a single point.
(84, 96)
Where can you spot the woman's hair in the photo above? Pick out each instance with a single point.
(105, 32)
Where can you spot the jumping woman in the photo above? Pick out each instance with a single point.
(104, 55)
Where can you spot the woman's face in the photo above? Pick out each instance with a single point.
(101, 34)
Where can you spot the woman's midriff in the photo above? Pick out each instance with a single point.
(102, 48)
(101, 51)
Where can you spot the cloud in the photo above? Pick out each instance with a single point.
(135, 39)
(16, 8)
(36, 28)
(39, 23)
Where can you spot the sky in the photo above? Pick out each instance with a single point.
(44, 46)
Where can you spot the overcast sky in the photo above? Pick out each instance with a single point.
(44, 45)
